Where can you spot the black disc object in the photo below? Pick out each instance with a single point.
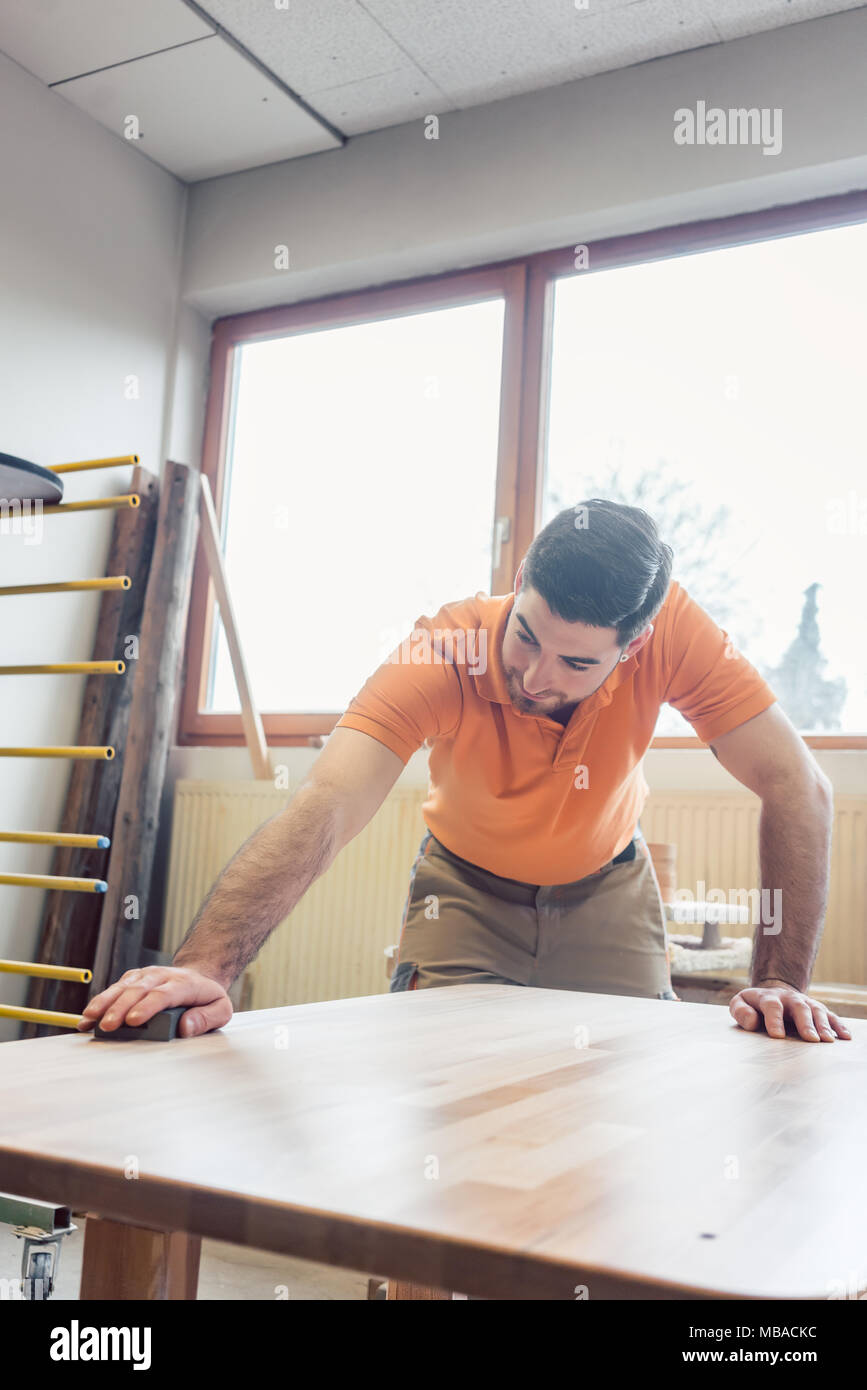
(20, 480)
(162, 1027)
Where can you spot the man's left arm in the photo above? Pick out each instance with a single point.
(768, 755)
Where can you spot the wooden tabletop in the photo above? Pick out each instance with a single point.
(494, 1140)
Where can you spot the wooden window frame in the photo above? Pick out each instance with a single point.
(527, 286)
(504, 280)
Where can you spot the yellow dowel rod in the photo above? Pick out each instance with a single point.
(119, 581)
(64, 838)
(84, 751)
(67, 668)
(41, 1016)
(73, 885)
(46, 972)
(131, 499)
(94, 463)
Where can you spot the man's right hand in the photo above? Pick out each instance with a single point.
(139, 994)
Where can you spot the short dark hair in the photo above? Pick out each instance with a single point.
(603, 564)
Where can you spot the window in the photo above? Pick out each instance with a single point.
(374, 455)
(360, 493)
(364, 450)
(724, 393)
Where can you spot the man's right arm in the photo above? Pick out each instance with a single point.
(272, 871)
(261, 884)
(259, 887)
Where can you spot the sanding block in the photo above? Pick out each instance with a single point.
(161, 1028)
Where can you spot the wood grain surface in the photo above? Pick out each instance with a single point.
(497, 1140)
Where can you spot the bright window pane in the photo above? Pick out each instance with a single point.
(362, 470)
(724, 393)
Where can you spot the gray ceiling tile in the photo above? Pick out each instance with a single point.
(736, 18)
(391, 98)
(58, 39)
(203, 109)
(492, 50)
(363, 64)
(311, 44)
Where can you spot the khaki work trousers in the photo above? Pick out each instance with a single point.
(604, 933)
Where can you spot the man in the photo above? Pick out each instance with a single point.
(538, 707)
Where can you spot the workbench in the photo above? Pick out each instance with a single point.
(490, 1140)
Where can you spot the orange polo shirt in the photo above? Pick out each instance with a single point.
(517, 793)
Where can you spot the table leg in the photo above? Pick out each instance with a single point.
(402, 1288)
(133, 1262)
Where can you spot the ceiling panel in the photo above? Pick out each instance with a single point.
(363, 62)
(640, 32)
(736, 18)
(203, 110)
(58, 39)
(492, 50)
(387, 99)
(314, 43)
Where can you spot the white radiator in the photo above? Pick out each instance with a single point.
(332, 945)
(717, 838)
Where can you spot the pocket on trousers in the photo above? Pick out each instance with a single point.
(403, 977)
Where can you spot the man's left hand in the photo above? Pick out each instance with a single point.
(772, 1004)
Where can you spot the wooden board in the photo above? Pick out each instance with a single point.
(458, 1138)
(151, 728)
(251, 720)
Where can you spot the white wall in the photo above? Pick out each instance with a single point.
(91, 240)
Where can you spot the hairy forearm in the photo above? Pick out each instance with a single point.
(261, 885)
(794, 849)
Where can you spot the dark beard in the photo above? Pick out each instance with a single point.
(561, 715)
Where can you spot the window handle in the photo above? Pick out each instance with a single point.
(502, 532)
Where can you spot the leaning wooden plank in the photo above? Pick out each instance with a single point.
(151, 726)
(253, 730)
(70, 921)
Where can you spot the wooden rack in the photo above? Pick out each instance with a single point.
(89, 934)
(60, 882)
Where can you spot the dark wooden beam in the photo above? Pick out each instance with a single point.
(151, 727)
